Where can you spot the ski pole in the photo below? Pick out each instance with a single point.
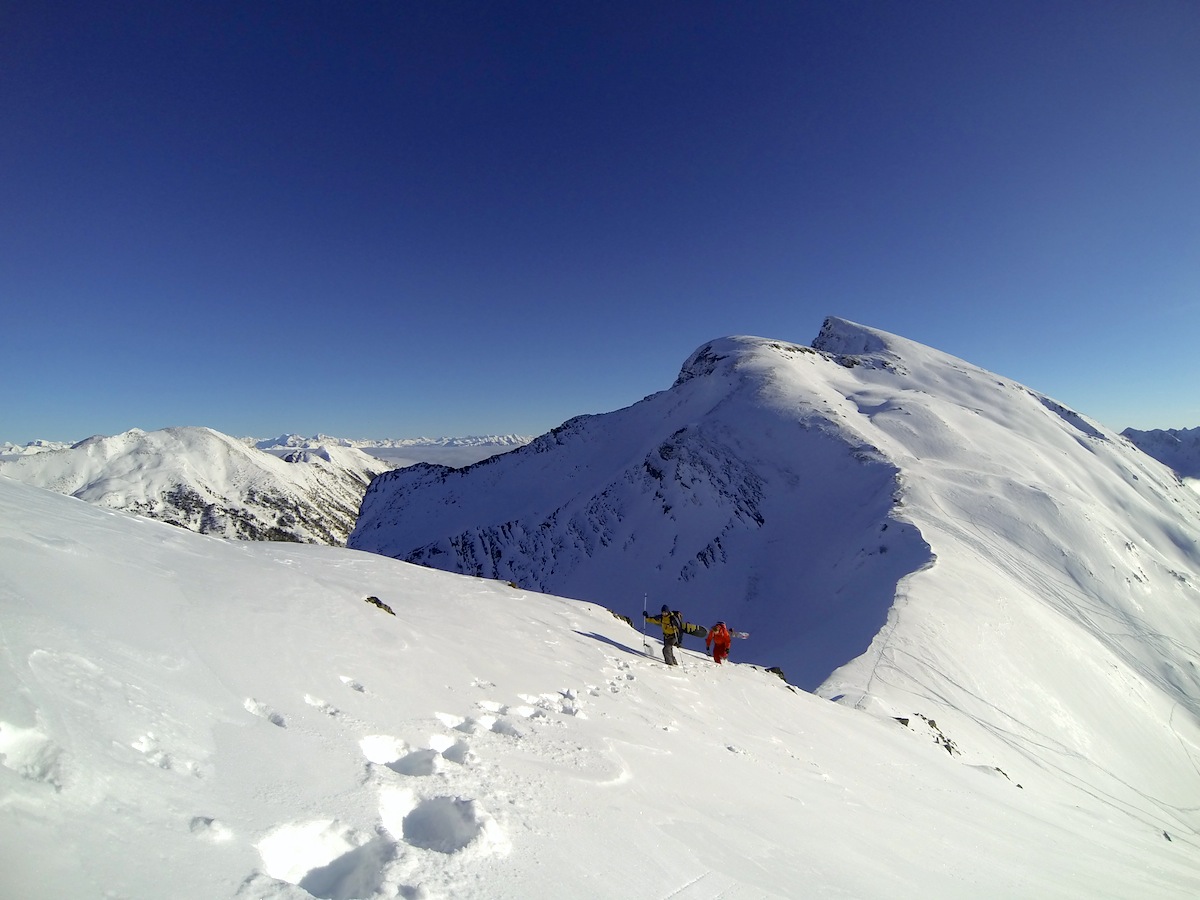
(645, 646)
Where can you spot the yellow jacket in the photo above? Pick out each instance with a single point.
(664, 619)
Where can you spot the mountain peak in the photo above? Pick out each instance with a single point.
(842, 337)
(841, 502)
(207, 481)
(838, 337)
(715, 356)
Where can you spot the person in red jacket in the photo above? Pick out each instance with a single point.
(718, 639)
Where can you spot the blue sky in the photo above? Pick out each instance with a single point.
(400, 219)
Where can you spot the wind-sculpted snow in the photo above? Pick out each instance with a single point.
(1048, 531)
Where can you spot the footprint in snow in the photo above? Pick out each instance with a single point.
(326, 858)
(454, 750)
(566, 702)
(331, 860)
(328, 708)
(397, 755)
(475, 724)
(210, 829)
(524, 712)
(443, 824)
(620, 678)
(148, 745)
(352, 684)
(263, 711)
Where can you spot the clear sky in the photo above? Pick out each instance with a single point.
(387, 219)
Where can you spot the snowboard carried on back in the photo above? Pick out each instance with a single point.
(701, 631)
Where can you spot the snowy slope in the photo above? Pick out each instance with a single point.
(770, 487)
(882, 517)
(205, 481)
(725, 510)
(187, 717)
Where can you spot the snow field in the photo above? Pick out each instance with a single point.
(190, 717)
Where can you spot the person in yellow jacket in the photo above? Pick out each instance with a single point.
(672, 629)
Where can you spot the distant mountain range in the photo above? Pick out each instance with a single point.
(286, 489)
(9, 449)
(1178, 448)
(399, 452)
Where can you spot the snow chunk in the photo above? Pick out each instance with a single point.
(30, 754)
(326, 858)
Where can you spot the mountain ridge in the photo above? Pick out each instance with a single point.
(208, 482)
(1178, 448)
(850, 504)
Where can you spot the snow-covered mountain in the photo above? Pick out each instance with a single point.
(398, 452)
(1178, 448)
(881, 517)
(198, 719)
(9, 449)
(209, 482)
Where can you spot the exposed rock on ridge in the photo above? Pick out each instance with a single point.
(822, 498)
(728, 496)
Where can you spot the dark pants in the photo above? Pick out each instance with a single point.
(669, 650)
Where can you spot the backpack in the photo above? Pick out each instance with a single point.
(677, 624)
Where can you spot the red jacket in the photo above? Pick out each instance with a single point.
(718, 635)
